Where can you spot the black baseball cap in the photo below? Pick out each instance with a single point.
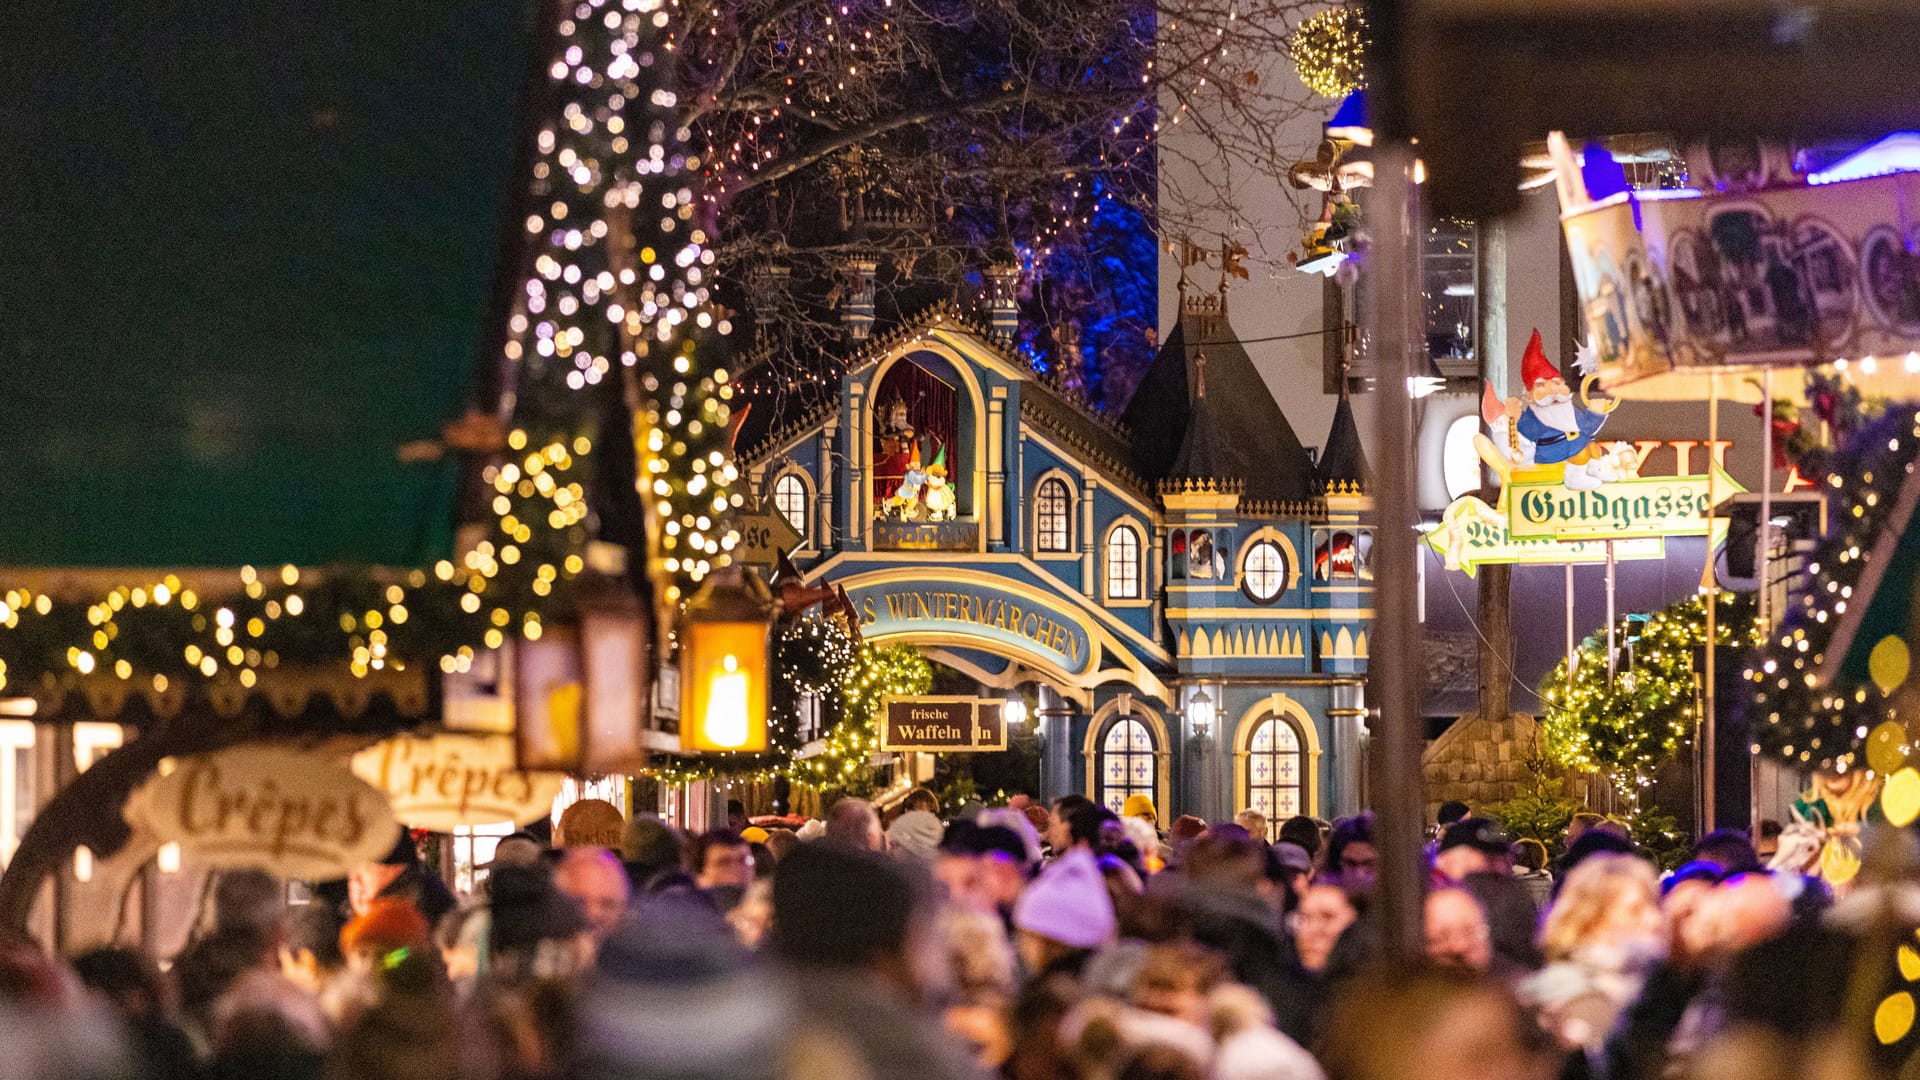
(1478, 833)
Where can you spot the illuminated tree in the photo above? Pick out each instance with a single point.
(1625, 727)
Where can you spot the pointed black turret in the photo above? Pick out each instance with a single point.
(1236, 431)
(1344, 460)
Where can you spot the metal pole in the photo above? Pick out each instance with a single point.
(1765, 604)
(1573, 657)
(1395, 677)
(1610, 631)
(1708, 773)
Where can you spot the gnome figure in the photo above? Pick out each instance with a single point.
(904, 503)
(1550, 424)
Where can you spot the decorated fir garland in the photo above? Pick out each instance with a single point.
(1626, 727)
(165, 634)
(1792, 714)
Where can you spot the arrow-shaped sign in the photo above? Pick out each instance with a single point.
(1472, 534)
(765, 532)
(1640, 507)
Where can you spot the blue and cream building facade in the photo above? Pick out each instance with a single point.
(1178, 628)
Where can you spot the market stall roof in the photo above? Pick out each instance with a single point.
(247, 252)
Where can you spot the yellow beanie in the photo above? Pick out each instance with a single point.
(1139, 806)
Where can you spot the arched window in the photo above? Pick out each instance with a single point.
(1275, 765)
(790, 498)
(1127, 764)
(1123, 563)
(1052, 516)
(1263, 573)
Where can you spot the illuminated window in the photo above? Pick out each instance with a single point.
(790, 498)
(1123, 563)
(16, 784)
(1127, 765)
(1275, 769)
(1264, 573)
(1052, 513)
(473, 847)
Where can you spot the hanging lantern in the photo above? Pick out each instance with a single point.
(617, 663)
(724, 664)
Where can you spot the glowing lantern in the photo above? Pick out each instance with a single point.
(723, 664)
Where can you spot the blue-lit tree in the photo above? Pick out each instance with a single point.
(904, 147)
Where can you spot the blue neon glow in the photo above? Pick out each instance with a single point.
(1897, 153)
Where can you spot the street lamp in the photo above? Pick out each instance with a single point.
(723, 664)
(1200, 712)
(1013, 712)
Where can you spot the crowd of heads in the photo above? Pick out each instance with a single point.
(1026, 941)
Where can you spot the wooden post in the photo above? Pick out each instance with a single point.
(1495, 584)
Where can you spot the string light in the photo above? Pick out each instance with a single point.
(1626, 727)
(1329, 52)
(1794, 715)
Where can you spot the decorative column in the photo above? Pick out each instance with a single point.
(856, 311)
(1347, 717)
(997, 469)
(1089, 543)
(1002, 298)
(767, 288)
(1054, 719)
(857, 509)
(823, 514)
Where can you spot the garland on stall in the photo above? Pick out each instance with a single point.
(161, 632)
(613, 285)
(1792, 716)
(1627, 727)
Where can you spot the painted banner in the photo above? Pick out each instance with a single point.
(294, 812)
(942, 725)
(1472, 534)
(951, 612)
(1797, 269)
(1643, 506)
(442, 781)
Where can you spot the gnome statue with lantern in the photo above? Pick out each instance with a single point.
(1550, 424)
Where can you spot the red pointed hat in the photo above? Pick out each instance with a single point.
(1535, 366)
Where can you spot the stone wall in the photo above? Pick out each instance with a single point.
(1480, 762)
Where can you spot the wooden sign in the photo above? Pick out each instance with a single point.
(451, 779)
(1643, 506)
(765, 532)
(294, 812)
(1472, 534)
(926, 536)
(943, 725)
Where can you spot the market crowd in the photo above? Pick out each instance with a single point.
(1026, 941)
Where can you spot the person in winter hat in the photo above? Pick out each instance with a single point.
(916, 834)
(1065, 914)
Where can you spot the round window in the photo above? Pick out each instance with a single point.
(1264, 573)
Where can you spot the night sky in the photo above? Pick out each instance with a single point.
(245, 250)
